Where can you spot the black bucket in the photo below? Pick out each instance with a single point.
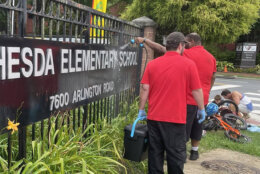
(136, 146)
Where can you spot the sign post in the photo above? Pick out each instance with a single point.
(246, 55)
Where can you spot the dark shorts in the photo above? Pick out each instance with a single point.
(193, 128)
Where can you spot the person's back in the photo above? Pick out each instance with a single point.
(170, 78)
(244, 103)
(206, 65)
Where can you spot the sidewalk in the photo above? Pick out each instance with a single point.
(223, 161)
(254, 119)
(233, 75)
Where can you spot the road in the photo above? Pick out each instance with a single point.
(249, 87)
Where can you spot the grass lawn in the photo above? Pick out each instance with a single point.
(217, 139)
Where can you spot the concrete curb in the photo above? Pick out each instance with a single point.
(226, 77)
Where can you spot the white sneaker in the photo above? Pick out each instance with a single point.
(204, 133)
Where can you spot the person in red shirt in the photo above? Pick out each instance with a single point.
(206, 65)
(166, 83)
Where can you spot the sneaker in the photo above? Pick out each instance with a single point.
(194, 155)
(204, 133)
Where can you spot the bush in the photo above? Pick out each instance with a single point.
(231, 68)
(221, 65)
(257, 59)
(221, 54)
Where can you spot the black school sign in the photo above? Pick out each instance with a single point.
(45, 76)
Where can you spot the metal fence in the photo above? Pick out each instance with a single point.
(62, 24)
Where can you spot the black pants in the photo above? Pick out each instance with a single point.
(169, 137)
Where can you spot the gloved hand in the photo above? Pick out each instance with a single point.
(141, 115)
(201, 115)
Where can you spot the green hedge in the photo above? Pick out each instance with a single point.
(232, 68)
(221, 54)
(258, 59)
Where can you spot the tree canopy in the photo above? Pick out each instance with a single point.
(218, 21)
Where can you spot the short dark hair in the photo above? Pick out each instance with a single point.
(225, 92)
(195, 37)
(217, 97)
(173, 40)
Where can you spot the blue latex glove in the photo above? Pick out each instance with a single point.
(201, 115)
(141, 115)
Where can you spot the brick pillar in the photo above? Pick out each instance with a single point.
(149, 27)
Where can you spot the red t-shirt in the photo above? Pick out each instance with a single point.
(170, 78)
(206, 65)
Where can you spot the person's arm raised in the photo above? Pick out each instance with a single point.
(153, 45)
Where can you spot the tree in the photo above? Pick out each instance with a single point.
(253, 36)
(84, 2)
(113, 2)
(217, 21)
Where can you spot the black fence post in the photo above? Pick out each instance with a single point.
(48, 131)
(22, 142)
(33, 131)
(74, 119)
(23, 19)
(85, 117)
(79, 116)
(9, 149)
(22, 130)
(42, 129)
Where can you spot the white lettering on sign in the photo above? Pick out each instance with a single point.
(86, 93)
(71, 67)
(27, 72)
(59, 100)
(64, 60)
(85, 60)
(78, 60)
(2, 63)
(89, 60)
(64, 99)
(12, 61)
(38, 62)
(17, 62)
(49, 62)
(108, 86)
